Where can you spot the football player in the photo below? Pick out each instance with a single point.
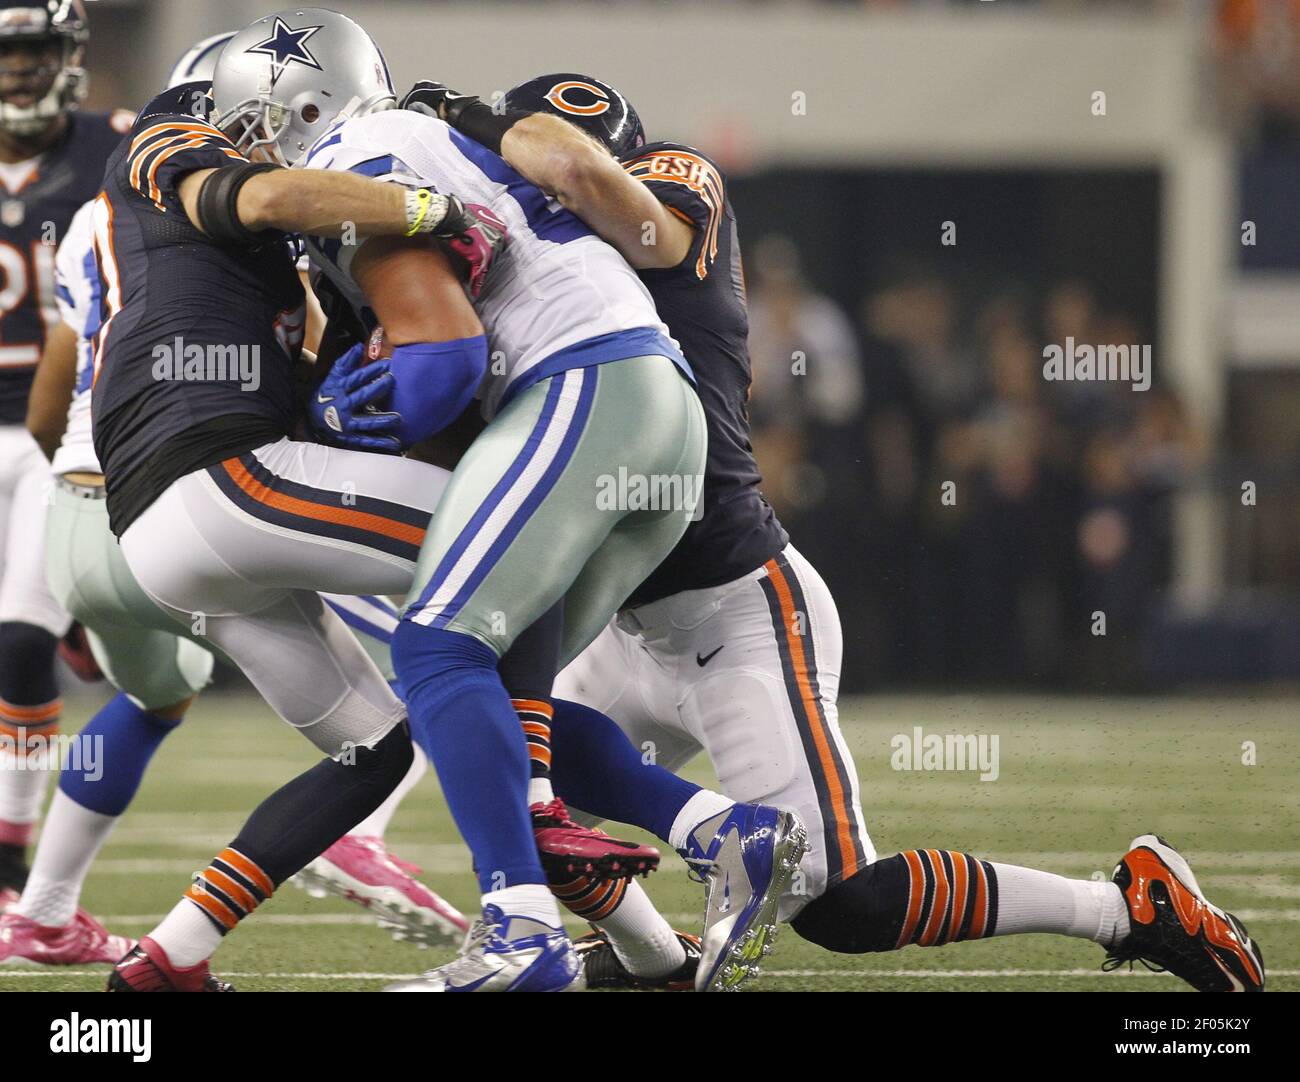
(584, 381)
(157, 665)
(225, 521)
(733, 645)
(52, 157)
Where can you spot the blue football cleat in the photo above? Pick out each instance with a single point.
(504, 953)
(751, 852)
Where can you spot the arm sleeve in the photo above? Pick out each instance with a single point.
(690, 186)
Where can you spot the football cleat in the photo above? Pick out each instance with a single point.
(147, 969)
(504, 953)
(1173, 927)
(746, 865)
(362, 870)
(82, 941)
(602, 968)
(568, 849)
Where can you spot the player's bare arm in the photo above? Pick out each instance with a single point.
(308, 201)
(566, 163)
(413, 290)
(438, 349)
(52, 387)
(582, 175)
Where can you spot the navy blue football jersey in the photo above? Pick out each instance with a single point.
(33, 220)
(702, 300)
(194, 356)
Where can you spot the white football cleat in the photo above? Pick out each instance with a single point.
(504, 953)
(362, 870)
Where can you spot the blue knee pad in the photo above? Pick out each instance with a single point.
(105, 768)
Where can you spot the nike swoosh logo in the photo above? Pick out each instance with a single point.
(702, 661)
(324, 400)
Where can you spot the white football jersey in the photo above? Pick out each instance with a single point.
(558, 297)
(76, 288)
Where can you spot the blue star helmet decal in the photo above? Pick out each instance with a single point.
(286, 46)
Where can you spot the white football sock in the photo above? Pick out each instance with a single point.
(643, 941)
(187, 935)
(703, 805)
(23, 790)
(532, 900)
(1034, 901)
(376, 823)
(70, 841)
(540, 791)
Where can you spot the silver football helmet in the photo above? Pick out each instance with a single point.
(283, 80)
(199, 62)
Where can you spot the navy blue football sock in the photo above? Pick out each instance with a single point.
(103, 771)
(597, 769)
(461, 716)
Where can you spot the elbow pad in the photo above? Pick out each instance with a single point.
(433, 383)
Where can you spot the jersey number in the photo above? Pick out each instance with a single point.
(20, 276)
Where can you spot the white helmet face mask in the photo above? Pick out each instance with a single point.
(281, 82)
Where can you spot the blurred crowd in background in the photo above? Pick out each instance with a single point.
(972, 514)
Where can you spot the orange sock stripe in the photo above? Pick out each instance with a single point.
(248, 870)
(959, 894)
(534, 706)
(915, 897)
(216, 909)
(23, 733)
(226, 885)
(539, 754)
(537, 728)
(572, 889)
(29, 715)
(611, 903)
(939, 906)
(979, 918)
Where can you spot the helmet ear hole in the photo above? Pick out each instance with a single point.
(310, 113)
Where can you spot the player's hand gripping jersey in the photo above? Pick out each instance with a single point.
(193, 362)
(702, 300)
(558, 298)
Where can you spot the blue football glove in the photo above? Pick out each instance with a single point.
(343, 411)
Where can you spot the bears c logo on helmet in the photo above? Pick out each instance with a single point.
(557, 96)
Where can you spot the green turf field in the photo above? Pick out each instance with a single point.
(1078, 779)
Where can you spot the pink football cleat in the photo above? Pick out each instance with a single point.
(362, 870)
(82, 941)
(568, 849)
(148, 969)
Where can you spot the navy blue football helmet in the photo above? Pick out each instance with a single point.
(596, 107)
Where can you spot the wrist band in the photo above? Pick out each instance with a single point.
(481, 123)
